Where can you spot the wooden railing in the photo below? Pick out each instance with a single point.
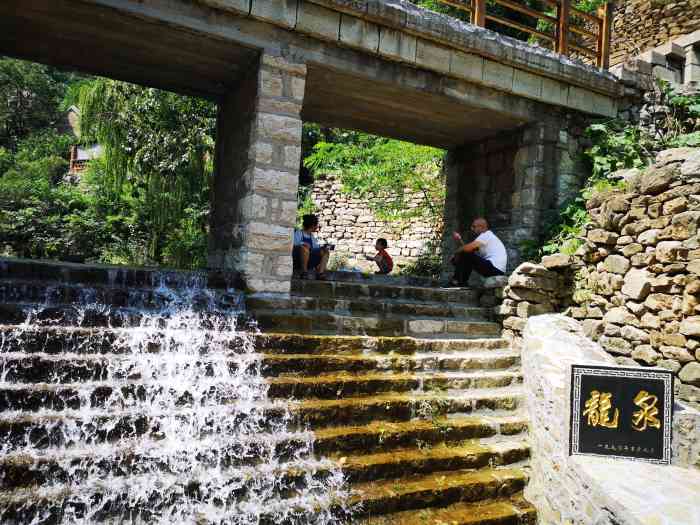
(569, 31)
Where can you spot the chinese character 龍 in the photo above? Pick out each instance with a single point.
(597, 410)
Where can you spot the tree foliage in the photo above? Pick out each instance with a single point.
(387, 173)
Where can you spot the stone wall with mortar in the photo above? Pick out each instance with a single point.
(350, 224)
(584, 490)
(516, 180)
(643, 24)
(635, 281)
(254, 195)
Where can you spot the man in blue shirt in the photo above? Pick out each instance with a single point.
(307, 253)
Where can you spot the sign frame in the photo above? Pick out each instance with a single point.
(666, 376)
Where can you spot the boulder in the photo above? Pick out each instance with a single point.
(669, 364)
(690, 373)
(636, 285)
(646, 354)
(634, 334)
(667, 251)
(674, 155)
(602, 237)
(691, 165)
(690, 326)
(617, 264)
(657, 179)
(616, 345)
(620, 316)
(677, 354)
(558, 260)
(649, 237)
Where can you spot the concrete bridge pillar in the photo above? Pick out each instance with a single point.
(254, 193)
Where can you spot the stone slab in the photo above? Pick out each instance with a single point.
(282, 12)
(359, 33)
(397, 45)
(318, 21)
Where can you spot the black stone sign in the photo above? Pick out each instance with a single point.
(621, 412)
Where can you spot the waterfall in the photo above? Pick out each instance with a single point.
(148, 404)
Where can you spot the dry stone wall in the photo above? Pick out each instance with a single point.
(643, 24)
(635, 282)
(350, 224)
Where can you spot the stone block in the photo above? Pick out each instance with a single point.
(556, 261)
(298, 88)
(617, 264)
(527, 85)
(646, 354)
(498, 75)
(469, 67)
(603, 237)
(620, 316)
(397, 45)
(273, 181)
(261, 236)
(279, 128)
(637, 284)
(355, 32)
(690, 326)
(318, 21)
(554, 92)
(280, 12)
(237, 6)
(432, 56)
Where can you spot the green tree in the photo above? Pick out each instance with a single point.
(30, 99)
(384, 172)
(158, 151)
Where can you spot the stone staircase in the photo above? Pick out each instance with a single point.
(420, 408)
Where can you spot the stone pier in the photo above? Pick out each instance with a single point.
(254, 195)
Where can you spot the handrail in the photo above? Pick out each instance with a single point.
(562, 27)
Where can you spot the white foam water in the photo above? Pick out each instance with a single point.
(174, 424)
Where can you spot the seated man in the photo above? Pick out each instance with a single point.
(485, 254)
(307, 254)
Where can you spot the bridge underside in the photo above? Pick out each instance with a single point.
(267, 80)
(343, 88)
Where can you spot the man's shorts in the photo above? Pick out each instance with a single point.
(314, 258)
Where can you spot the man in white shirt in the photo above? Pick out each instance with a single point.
(486, 254)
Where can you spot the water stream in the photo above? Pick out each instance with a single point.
(161, 416)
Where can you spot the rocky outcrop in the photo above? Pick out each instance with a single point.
(635, 281)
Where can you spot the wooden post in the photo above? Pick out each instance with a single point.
(563, 29)
(479, 13)
(605, 12)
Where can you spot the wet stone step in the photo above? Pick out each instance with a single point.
(435, 490)
(352, 290)
(309, 364)
(95, 425)
(73, 368)
(133, 458)
(505, 511)
(396, 326)
(73, 467)
(380, 308)
(60, 339)
(12, 269)
(57, 339)
(430, 458)
(56, 294)
(100, 316)
(335, 386)
(283, 343)
(113, 501)
(321, 413)
(379, 436)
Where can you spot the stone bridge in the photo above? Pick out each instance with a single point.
(502, 108)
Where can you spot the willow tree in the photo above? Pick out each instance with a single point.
(158, 150)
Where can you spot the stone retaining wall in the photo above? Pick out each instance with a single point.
(635, 282)
(583, 490)
(350, 224)
(643, 24)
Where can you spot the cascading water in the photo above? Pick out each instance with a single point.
(159, 415)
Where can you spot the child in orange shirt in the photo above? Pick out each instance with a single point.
(383, 259)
